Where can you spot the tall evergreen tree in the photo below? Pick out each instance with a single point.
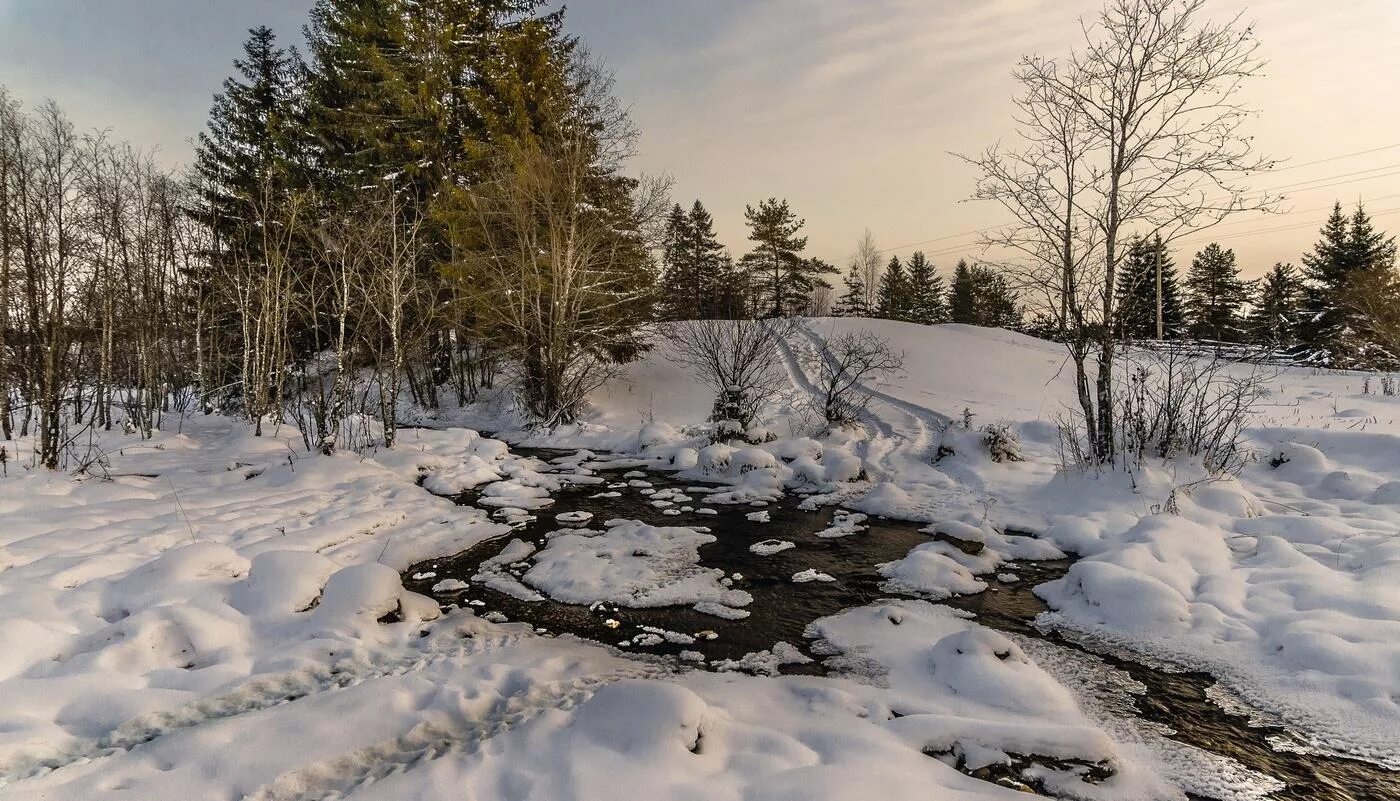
(251, 157)
(925, 291)
(1348, 248)
(894, 291)
(962, 295)
(1278, 309)
(1136, 293)
(251, 143)
(695, 267)
(1215, 295)
(781, 276)
(981, 296)
(678, 288)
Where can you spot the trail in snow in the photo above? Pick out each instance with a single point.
(904, 438)
(343, 775)
(265, 692)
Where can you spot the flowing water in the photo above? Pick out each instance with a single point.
(1177, 703)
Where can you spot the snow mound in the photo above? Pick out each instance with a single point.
(281, 582)
(630, 564)
(643, 719)
(981, 663)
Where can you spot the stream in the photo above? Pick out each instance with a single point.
(1156, 705)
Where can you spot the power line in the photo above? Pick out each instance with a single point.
(1277, 229)
(1335, 158)
(1348, 175)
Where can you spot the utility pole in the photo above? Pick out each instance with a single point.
(1161, 334)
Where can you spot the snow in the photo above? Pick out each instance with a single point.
(770, 547)
(631, 564)
(164, 649)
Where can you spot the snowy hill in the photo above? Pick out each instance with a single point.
(223, 617)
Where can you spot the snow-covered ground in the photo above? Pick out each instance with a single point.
(224, 617)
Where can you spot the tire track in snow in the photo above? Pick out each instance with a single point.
(262, 692)
(343, 775)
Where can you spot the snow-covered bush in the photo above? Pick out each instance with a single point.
(1002, 442)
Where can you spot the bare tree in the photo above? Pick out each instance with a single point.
(869, 267)
(846, 362)
(740, 360)
(1139, 129)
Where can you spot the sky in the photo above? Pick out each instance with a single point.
(850, 111)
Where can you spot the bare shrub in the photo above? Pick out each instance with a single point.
(1175, 403)
(738, 359)
(848, 360)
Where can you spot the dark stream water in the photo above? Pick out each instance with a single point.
(781, 611)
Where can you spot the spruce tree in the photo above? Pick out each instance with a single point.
(1277, 315)
(1215, 295)
(677, 288)
(1136, 293)
(962, 295)
(708, 264)
(781, 276)
(981, 296)
(894, 291)
(1327, 269)
(925, 291)
(251, 143)
(852, 303)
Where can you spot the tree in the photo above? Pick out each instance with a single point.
(711, 266)
(1141, 128)
(560, 283)
(1347, 249)
(1215, 295)
(926, 291)
(866, 266)
(1373, 297)
(1277, 315)
(740, 360)
(846, 361)
(981, 296)
(782, 277)
(251, 135)
(853, 302)
(1137, 293)
(962, 297)
(894, 291)
(679, 286)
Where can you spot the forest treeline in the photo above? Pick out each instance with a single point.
(433, 199)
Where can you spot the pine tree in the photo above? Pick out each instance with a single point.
(1277, 315)
(852, 303)
(1215, 295)
(782, 278)
(251, 142)
(695, 268)
(1367, 248)
(981, 296)
(962, 295)
(925, 291)
(1136, 293)
(894, 291)
(677, 287)
(1349, 249)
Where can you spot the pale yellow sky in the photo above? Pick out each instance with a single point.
(846, 108)
(849, 110)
